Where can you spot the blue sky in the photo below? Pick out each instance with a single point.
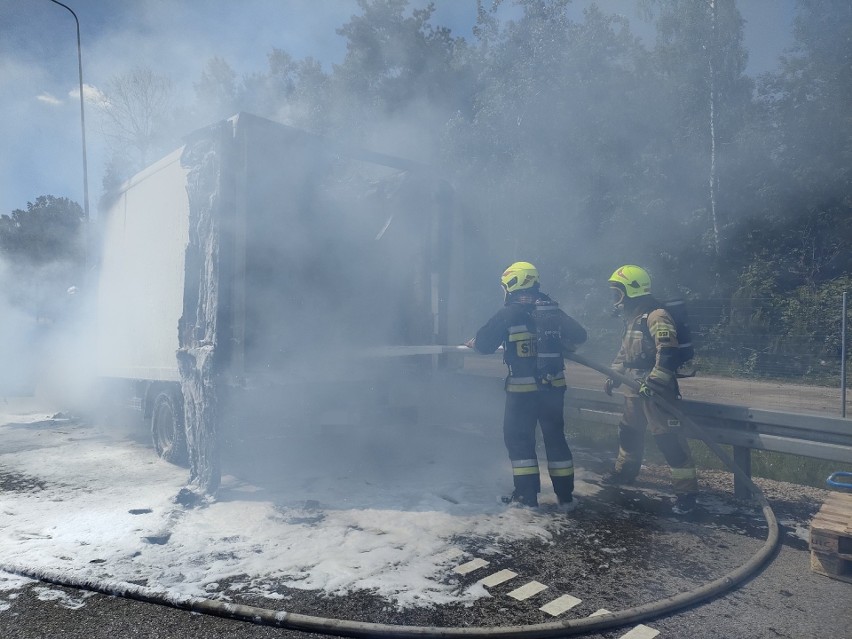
(39, 101)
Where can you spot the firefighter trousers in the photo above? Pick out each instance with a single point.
(641, 414)
(523, 412)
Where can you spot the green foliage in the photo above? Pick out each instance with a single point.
(216, 89)
(772, 331)
(804, 211)
(700, 48)
(796, 469)
(557, 146)
(573, 143)
(393, 59)
(812, 318)
(50, 230)
(138, 120)
(43, 253)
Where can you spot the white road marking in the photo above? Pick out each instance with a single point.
(470, 566)
(599, 612)
(498, 578)
(641, 632)
(452, 553)
(560, 605)
(528, 590)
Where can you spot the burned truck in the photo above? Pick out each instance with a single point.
(248, 280)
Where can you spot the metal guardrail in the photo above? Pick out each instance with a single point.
(743, 428)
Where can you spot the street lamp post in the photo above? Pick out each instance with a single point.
(82, 112)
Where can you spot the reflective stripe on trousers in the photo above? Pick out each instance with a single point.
(560, 468)
(524, 467)
(521, 384)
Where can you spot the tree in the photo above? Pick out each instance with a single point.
(700, 52)
(807, 214)
(43, 249)
(401, 81)
(139, 119)
(50, 230)
(291, 91)
(217, 89)
(556, 148)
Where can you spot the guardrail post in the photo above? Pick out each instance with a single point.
(742, 457)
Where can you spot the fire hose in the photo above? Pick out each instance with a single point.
(347, 628)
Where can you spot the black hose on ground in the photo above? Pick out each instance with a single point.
(346, 628)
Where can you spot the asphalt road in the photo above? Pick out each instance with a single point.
(658, 555)
(786, 600)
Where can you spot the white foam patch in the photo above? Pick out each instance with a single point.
(106, 512)
(63, 599)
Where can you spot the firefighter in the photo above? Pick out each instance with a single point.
(648, 354)
(534, 332)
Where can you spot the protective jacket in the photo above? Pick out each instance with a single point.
(649, 353)
(513, 326)
(649, 346)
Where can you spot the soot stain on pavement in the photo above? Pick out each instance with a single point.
(20, 483)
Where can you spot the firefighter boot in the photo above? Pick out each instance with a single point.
(566, 505)
(522, 500)
(684, 504)
(631, 448)
(617, 477)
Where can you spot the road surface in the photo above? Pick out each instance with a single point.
(621, 548)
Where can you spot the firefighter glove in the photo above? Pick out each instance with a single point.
(645, 390)
(610, 384)
(651, 386)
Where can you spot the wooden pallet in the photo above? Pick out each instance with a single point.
(831, 538)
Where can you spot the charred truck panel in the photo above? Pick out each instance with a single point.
(254, 268)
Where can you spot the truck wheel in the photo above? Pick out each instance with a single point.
(167, 429)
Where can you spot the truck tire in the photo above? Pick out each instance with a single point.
(167, 428)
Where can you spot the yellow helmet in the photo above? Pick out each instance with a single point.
(518, 276)
(633, 280)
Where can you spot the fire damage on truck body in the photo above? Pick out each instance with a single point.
(244, 279)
